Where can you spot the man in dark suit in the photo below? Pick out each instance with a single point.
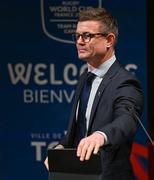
(115, 94)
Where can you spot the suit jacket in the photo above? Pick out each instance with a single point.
(118, 95)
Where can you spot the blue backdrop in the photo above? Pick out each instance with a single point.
(39, 70)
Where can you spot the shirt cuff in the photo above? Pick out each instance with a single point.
(104, 135)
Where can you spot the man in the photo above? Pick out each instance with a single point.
(114, 97)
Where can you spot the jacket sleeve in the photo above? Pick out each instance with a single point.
(128, 99)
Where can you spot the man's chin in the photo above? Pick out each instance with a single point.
(83, 57)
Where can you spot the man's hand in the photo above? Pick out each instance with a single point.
(59, 146)
(89, 145)
(46, 163)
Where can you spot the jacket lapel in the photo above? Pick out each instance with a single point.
(106, 80)
(77, 94)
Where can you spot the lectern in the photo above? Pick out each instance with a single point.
(65, 165)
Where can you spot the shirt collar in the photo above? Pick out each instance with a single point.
(103, 68)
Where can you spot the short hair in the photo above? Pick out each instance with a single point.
(102, 15)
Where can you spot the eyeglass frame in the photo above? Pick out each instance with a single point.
(90, 36)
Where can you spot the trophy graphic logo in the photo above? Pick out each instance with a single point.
(59, 17)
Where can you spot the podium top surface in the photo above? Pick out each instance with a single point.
(66, 161)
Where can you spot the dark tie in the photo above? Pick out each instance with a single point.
(81, 121)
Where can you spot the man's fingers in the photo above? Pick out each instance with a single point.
(79, 148)
(89, 145)
(96, 149)
(84, 151)
(89, 151)
(59, 146)
(46, 163)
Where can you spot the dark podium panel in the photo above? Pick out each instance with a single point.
(65, 165)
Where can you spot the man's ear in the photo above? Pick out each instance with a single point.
(111, 39)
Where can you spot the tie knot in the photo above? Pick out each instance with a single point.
(90, 77)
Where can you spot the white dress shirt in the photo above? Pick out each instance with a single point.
(99, 72)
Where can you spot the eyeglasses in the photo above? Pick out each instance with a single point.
(86, 36)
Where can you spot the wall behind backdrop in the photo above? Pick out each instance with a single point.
(39, 70)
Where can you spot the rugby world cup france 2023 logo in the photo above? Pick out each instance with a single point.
(59, 17)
